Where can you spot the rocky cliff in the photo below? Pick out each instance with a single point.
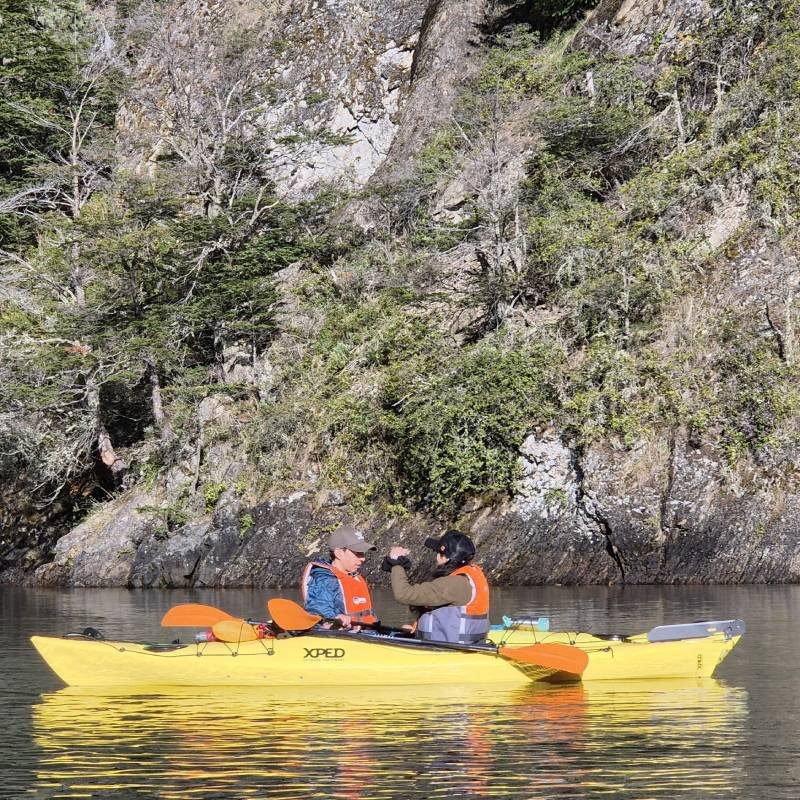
(670, 459)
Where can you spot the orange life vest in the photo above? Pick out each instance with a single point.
(466, 624)
(354, 589)
(478, 607)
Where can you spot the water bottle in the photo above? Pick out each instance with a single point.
(205, 636)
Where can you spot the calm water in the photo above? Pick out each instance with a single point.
(735, 736)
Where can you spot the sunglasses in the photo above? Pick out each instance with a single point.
(357, 554)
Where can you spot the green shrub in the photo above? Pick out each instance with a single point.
(453, 427)
(758, 398)
(212, 493)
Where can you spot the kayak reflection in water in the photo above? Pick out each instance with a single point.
(454, 606)
(333, 588)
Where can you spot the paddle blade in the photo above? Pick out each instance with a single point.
(290, 615)
(235, 630)
(560, 657)
(193, 615)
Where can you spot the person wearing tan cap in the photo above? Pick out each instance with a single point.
(334, 587)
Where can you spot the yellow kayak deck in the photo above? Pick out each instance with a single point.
(365, 660)
(634, 657)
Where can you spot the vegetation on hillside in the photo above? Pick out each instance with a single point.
(590, 298)
(592, 294)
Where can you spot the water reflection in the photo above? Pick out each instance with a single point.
(621, 740)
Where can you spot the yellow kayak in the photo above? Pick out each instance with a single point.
(360, 659)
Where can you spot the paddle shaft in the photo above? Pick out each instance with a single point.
(373, 626)
(466, 648)
(566, 659)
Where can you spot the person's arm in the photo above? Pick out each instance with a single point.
(324, 597)
(454, 590)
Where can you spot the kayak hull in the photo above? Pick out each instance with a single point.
(298, 661)
(362, 660)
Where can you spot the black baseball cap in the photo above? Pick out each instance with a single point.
(453, 545)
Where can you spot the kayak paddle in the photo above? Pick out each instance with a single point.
(552, 656)
(193, 615)
(225, 627)
(236, 630)
(559, 657)
(291, 616)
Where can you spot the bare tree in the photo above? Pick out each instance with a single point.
(75, 172)
(203, 103)
(69, 180)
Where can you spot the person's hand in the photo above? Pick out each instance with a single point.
(411, 627)
(345, 619)
(396, 560)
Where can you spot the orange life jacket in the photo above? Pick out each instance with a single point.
(466, 624)
(354, 589)
(478, 607)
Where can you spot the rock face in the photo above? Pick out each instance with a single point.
(100, 551)
(351, 82)
(446, 56)
(376, 75)
(663, 513)
(331, 76)
(629, 27)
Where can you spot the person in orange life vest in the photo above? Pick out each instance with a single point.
(333, 587)
(455, 604)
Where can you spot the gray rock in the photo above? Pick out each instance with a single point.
(102, 550)
(446, 57)
(334, 76)
(171, 561)
(630, 27)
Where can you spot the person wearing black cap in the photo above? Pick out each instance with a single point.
(455, 604)
(334, 588)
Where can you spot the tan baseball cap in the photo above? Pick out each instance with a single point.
(350, 538)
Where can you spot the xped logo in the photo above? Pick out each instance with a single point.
(323, 652)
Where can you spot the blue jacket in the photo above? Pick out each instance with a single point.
(324, 596)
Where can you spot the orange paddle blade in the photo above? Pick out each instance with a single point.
(290, 615)
(193, 615)
(560, 657)
(234, 630)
